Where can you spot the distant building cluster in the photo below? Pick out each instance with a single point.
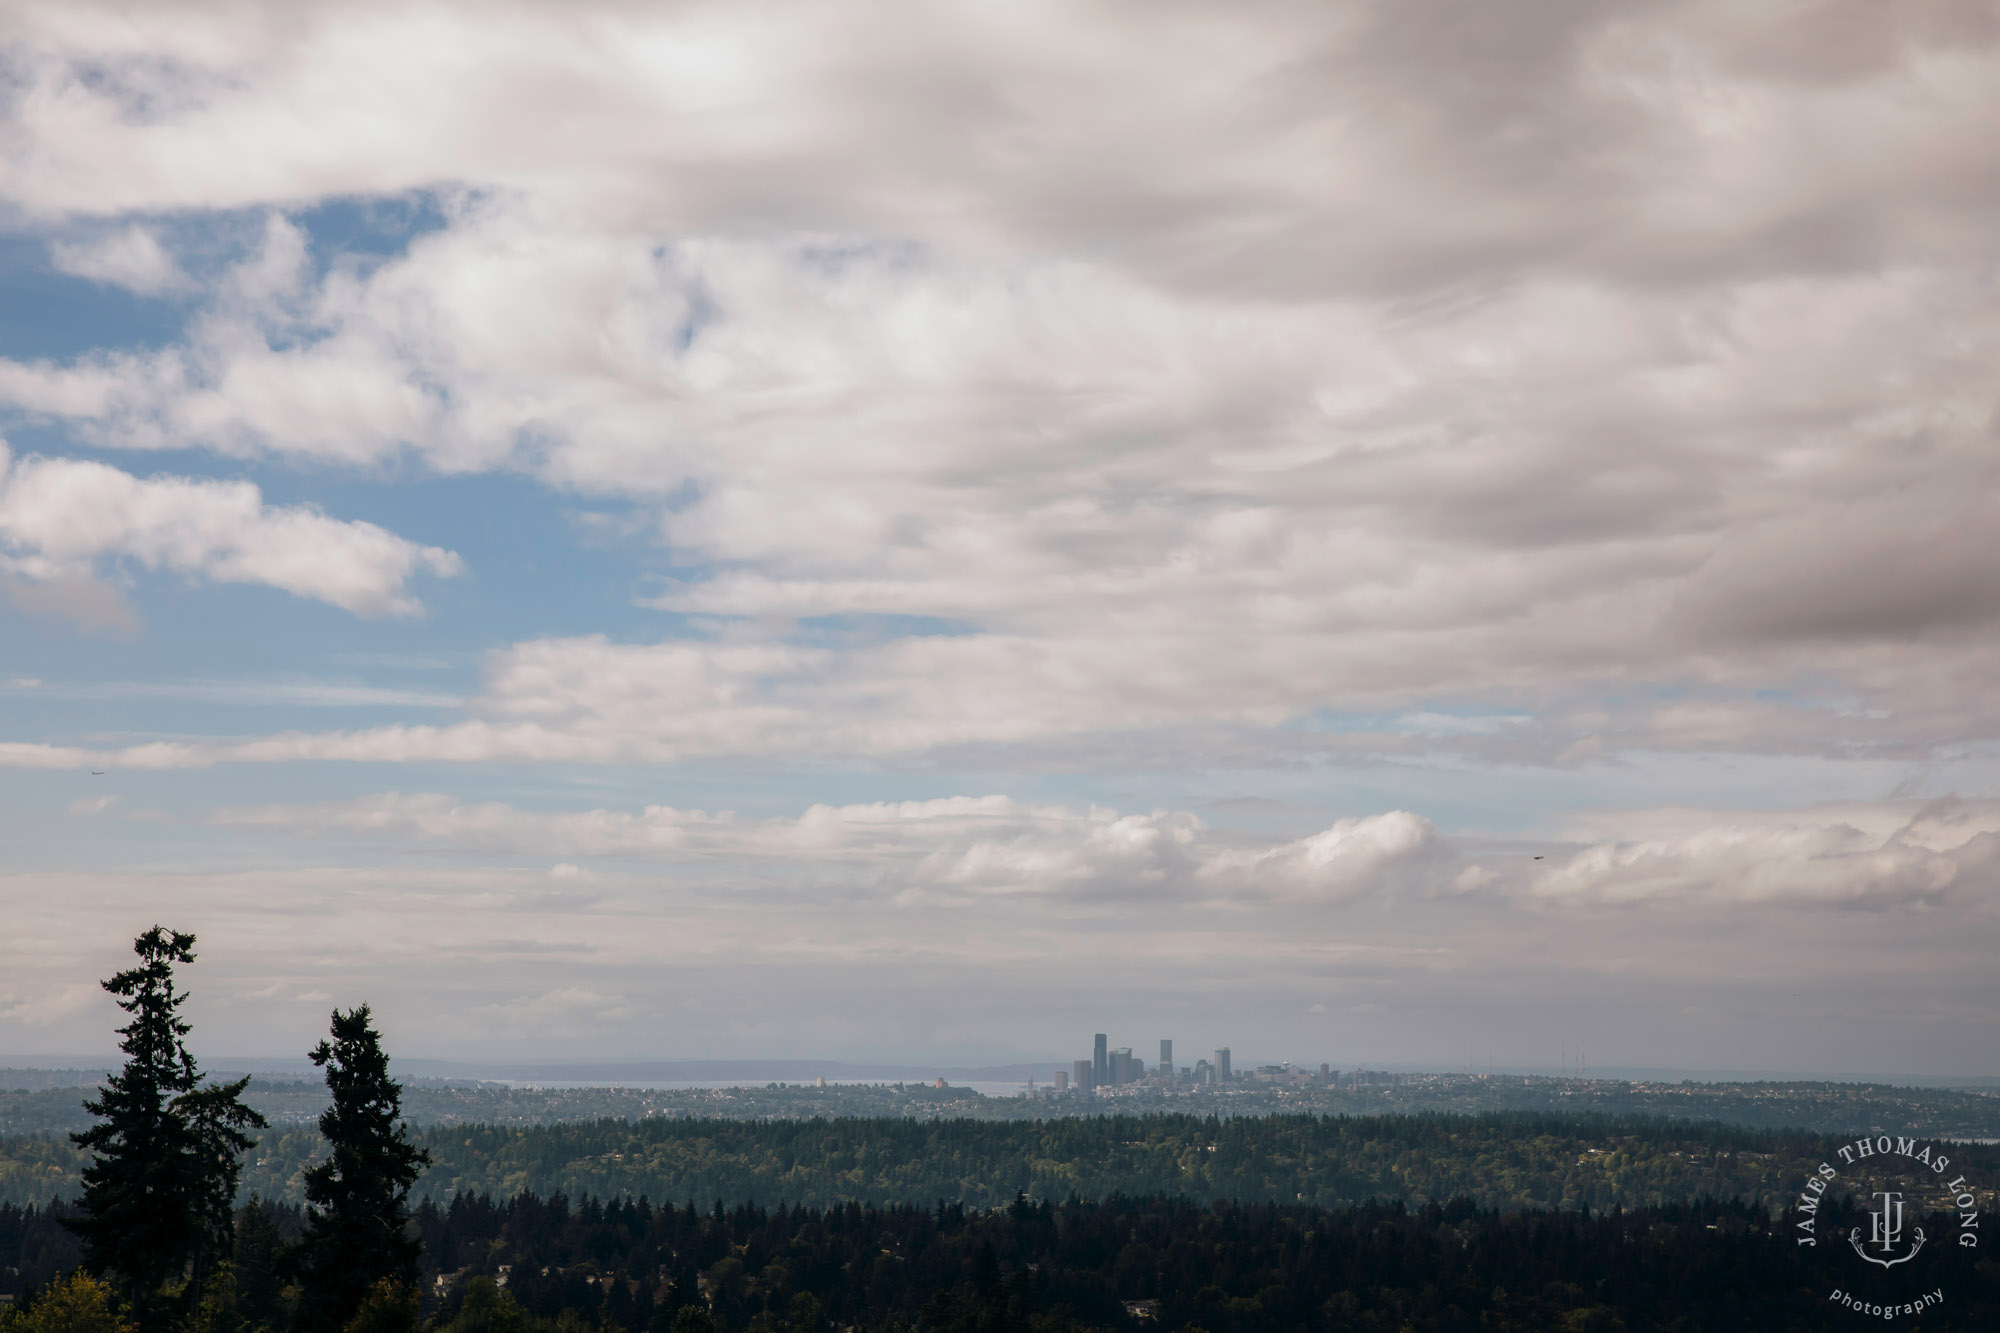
(1110, 1068)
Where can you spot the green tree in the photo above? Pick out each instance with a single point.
(157, 1193)
(389, 1307)
(357, 1201)
(216, 1119)
(221, 1307)
(487, 1309)
(77, 1304)
(255, 1261)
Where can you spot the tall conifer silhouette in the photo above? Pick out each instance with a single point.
(357, 1201)
(158, 1191)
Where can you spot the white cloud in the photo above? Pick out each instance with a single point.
(1208, 370)
(1287, 149)
(1117, 486)
(1352, 856)
(1869, 856)
(1891, 855)
(860, 915)
(978, 846)
(59, 518)
(132, 258)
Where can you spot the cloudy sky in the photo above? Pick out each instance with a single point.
(1377, 532)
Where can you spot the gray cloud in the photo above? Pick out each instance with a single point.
(1288, 150)
(1563, 486)
(1824, 938)
(1877, 857)
(1910, 565)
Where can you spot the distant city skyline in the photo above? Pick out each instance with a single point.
(751, 1069)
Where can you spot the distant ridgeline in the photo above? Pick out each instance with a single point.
(1501, 1161)
(32, 1101)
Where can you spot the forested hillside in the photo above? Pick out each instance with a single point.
(1061, 1268)
(1498, 1161)
(34, 1101)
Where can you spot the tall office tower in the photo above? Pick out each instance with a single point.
(1222, 1064)
(1121, 1066)
(1080, 1074)
(1100, 1063)
(1062, 1080)
(1167, 1059)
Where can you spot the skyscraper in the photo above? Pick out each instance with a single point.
(1100, 1063)
(1222, 1064)
(1167, 1059)
(1081, 1076)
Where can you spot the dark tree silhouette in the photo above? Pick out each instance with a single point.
(158, 1193)
(216, 1118)
(357, 1201)
(260, 1244)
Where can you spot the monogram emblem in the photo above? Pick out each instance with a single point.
(1885, 1232)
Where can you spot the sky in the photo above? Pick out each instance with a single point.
(1379, 532)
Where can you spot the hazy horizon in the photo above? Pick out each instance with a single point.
(1398, 534)
(642, 1072)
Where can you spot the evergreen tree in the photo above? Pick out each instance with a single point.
(357, 1201)
(216, 1118)
(165, 1149)
(259, 1245)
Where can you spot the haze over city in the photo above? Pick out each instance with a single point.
(1394, 535)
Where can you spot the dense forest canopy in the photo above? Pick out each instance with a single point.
(1504, 1161)
(1120, 1264)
